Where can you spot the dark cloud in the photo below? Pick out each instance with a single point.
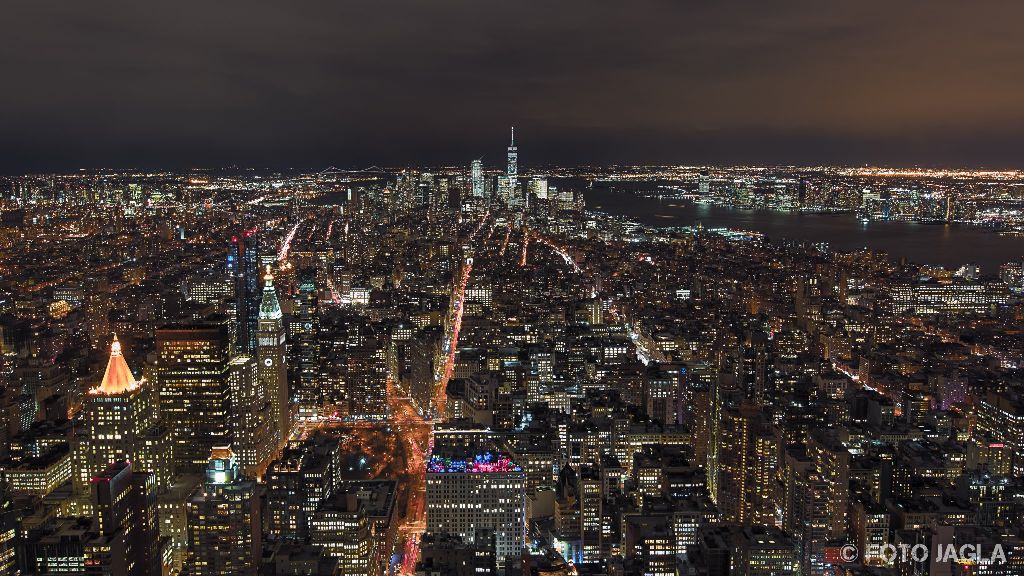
(344, 82)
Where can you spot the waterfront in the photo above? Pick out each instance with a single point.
(946, 245)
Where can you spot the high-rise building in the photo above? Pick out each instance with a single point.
(366, 379)
(244, 268)
(272, 356)
(304, 333)
(126, 510)
(253, 428)
(513, 158)
(298, 481)
(195, 395)
(224, 521)
(120, 422)
(832, 459)
(484, 491)
(120, 538)
(476, 178)
(375, 519)
(508, 183)
(539, 188)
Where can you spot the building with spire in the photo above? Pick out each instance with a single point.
(513, 158)
(120, 423)
(509, 183)
(271, 353)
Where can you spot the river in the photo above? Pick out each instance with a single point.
(938, 244)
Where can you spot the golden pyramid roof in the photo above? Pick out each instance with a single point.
(117, 379)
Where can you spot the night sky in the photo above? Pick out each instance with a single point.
(313, 83)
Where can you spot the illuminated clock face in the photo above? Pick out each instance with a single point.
(268, 361)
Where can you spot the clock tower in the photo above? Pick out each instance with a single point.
(271, 353)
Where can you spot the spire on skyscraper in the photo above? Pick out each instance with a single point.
(117, 378)
(270, 309)
(513, 158)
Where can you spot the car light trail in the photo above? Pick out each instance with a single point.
(526, 242)
(451, 344)
(286, 245)
(504, 243)
(560, 251)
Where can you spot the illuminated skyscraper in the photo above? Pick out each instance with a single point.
(745, 462)
(253, 428)
(508, 183)
(539, 188)
(272, 356)
(832, 459)
(485, 491)
(128, 539)
(195, 396)
(119, 539)
(224, 535)
(298, 482)
(120, 423)
(513, 158)
(304, 334)
(476, 178)
(244, 268)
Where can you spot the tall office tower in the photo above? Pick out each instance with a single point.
(224, 534)
(805, 509)
(128, 541)
(244, 268)
(721, 394)
(272, 355)
(476, 178)
(748, 460)
(195, 396)
(253, 429)
(704, 184)
(341, 528)
(120, 539)
(366, 379)
(591, 511)
(298, 481)
(485, 491)
(305, 334)
(752, 367)
(423, 355)
(513, 158)
(539, 188)
(832, 459)
(120, 422)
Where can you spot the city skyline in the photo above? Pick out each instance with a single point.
(480, 288)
